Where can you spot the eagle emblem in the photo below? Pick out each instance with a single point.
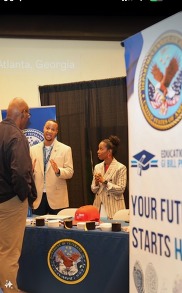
(166, 92)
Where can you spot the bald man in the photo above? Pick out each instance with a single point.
(17, 191)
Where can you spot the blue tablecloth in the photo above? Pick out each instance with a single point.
(107, 264)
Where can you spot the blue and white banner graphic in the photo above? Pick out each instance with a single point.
(39, 116)
(154, 85)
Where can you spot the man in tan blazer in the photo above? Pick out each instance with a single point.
(52, 165)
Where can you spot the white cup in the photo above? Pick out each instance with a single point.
(53, 223)
(107, 227)
(81, 225)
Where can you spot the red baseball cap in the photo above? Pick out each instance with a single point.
(87, 213)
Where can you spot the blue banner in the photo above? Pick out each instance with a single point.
(39, 116)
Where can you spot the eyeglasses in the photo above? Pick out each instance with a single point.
(29, 114)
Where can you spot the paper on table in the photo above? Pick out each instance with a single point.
(53, 217)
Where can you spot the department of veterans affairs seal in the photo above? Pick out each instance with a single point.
(160, 82)
(151, 280)
(68, 261)
(34, 136)
(138, 277)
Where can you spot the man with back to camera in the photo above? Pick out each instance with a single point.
(52, 165)
(17, 190)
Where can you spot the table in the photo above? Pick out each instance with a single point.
(104, 267)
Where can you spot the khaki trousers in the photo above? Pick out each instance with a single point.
(13, 215)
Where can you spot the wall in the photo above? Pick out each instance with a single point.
(26, 64)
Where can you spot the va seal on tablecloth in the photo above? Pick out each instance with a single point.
(68, 261)
(151, 280)
(160, 82)
(138, 277)
(34, 136)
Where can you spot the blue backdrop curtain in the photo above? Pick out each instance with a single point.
(88, 112)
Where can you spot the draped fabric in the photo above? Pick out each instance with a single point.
(107, 263)
(88, 112)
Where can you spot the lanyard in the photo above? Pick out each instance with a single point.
(46, 158)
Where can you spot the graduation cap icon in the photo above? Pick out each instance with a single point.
(143, 161)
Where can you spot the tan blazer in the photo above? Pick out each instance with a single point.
(56, 187)
(111, 195)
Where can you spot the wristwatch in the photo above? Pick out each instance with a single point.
(58, 174)
(105, 182)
